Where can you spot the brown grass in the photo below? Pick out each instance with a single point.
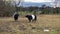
(22, 26)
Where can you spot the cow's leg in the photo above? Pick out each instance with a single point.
(29, 20)
(16, 18)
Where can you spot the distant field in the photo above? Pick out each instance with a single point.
(22, 26)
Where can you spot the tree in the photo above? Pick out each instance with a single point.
(43, 9)
(7, 8)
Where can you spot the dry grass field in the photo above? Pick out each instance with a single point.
(22, 26)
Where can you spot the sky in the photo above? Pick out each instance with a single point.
(41, 1)
(38, 1)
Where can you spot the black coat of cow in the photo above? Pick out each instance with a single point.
(30, 18)
(16, 17)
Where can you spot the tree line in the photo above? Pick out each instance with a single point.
(8, 9)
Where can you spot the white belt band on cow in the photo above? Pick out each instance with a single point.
(33, 16)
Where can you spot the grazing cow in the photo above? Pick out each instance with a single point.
(31, 17)
(16, 16)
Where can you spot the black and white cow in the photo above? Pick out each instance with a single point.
(31, 17)
(15, 16)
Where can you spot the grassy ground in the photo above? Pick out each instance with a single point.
(22, 26)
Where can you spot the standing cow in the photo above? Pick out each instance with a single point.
(16, 16)
(31, 17)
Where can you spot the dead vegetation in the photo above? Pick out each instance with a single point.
(22, 26)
